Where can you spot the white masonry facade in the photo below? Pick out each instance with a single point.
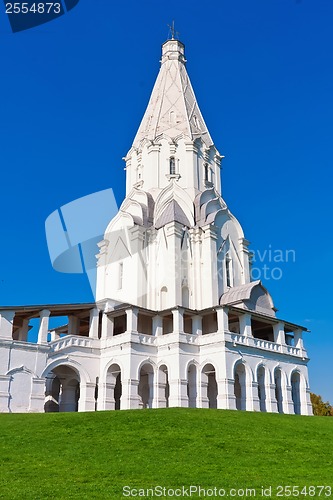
(177, 321)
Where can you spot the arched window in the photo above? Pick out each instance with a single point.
(163, 297)
(172, 165)
(206, 172)
(228, 266)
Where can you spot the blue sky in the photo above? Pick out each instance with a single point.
(73, 94)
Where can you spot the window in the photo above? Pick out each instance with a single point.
(228, 265)
(172, 165)
(206, 172)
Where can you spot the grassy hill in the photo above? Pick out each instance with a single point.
(95, 455)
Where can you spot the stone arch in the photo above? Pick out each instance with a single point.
(297, 384)
(52, 394)
(113, 387)
(163, 388)
(261, 378)
(192, 384)
(66, 391)
(63, 382)
(146, 384)
(280, 388)
(242, 376)
(209, 389)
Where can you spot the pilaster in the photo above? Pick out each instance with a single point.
(178, 393)
(37, 397)
(130, 399)
(87, 400)
(4, 393)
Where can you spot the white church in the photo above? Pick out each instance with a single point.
(177, 321)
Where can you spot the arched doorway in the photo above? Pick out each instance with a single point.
(62, 390)
(240, 386)
(192, 386)
(209, 385)
(278, 389)
(113, 389)
(261, 377)
(146, 386)
(295, 392)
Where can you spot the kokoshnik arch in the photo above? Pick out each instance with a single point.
(177, 320)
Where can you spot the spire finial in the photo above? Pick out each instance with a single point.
(174, 34)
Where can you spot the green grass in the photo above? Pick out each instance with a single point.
(93, 455)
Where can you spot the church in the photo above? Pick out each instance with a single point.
(178, 321)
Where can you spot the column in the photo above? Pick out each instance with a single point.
(73, 325)
(6, 324)
(107, 326)
(43, 326)
(132, 320)
(87, 400)
(37, 398)
(245, 327)
(54, 335)
(222, 319)
(105, 400)
(23, 331)
(157, 326)
(93, 323)
(178, 320)
(197, 325)
(298, 337)
(279, 335)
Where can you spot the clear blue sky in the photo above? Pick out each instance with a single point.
(73, 92)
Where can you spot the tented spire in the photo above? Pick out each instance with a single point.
(173, 109)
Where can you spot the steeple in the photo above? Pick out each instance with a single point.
(173, 143)
(173, 108)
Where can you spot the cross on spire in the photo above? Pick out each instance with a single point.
(172, 31)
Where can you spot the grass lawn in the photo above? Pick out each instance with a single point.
(94, 455)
